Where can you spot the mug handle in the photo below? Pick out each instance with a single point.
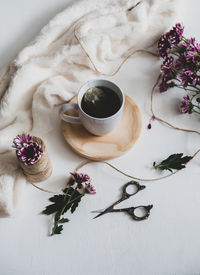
(67, 118)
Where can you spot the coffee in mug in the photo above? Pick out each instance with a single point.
(100, 106)
(100, 102)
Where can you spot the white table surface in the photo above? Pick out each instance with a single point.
(169, 241)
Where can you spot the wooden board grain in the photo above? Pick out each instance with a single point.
(111, 145)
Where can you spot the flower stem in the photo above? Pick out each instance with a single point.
(56, 219)
(196, 106)
(186, 89)
(69, 201)
(196, 112)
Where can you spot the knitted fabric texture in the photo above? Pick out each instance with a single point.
(50, 70)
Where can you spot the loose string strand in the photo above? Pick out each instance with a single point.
(119, 171)
(121, 64)
(131, 176)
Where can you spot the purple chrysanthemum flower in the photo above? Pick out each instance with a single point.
(192, 48)
(175, 34)
(186, 105)
(197, 47)
(163, 46)
(20, 140)
(165, 84)
(168, 73)
(180, 62)
(179, 29)
(30, 153)
(89, 188)
(170, 40)
(80, 178)
(187, 77)
(181, 70)
(167, 66)
(192, 42)
(168, 62)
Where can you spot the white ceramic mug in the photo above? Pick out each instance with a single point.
(96, 126)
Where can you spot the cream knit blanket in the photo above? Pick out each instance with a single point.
(52, 67)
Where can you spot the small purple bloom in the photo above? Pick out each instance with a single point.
(198, 47)
(30, 153)
(192, 41)
(187, 77)
(186, 105)
(179, 29)
(149, 126)
(168, 62)
(175, 34)
(152, 119)
(170, 40)
(80, 178)
(163, 46)
(191, 53)
(162, 87)
(89, 188)
(180, 62)
(165, 84)
(167, 67)
(20, 140)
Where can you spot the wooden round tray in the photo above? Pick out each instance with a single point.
(111, 145)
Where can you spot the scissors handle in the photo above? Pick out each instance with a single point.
(132, 211)
(137, 187)
(125, 194)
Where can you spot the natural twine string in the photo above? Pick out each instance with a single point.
(130, 176)
(132, 52)
(119, 171)
(152, 111)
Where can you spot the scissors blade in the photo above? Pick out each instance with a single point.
(98, 211)
(98, 215)
(102, 213)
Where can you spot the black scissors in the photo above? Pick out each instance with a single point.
(130, 210)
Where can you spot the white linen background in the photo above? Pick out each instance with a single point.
(52, 67)
(165, 244)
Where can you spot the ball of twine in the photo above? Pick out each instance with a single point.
(42, 169)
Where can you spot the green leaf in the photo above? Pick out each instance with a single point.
(68, 190)
(57, 216)
(56, 198)
(63, 220)
(173, 162)
(57, 230)
(61, 204)
(72, 202)
(57, 206)
(75, 204)
(58, 202)
(50, 209)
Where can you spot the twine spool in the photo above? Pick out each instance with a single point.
(42, 169)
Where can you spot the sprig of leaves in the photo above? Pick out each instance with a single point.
(174, 161)
(69, 200)
(78, 185)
